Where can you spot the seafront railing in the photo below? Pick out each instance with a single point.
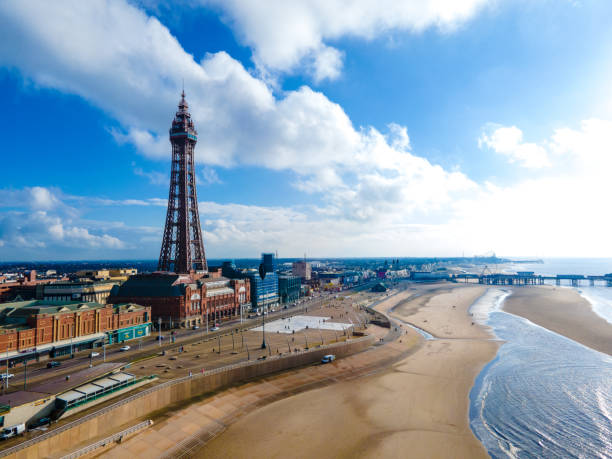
(111, 439)
(172, 382)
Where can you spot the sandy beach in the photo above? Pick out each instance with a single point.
(418, 407)
(563, 311)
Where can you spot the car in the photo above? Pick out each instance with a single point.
(53, 364)
(195, 327)
(94, 354)
(4, 376)
(12, 431)
(159, 337)
(328, 358)
(124, 348)
(214, 329)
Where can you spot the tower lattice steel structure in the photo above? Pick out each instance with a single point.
(182, 248)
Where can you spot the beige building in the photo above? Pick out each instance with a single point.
(97, 274)
(76, 291)
(122, 274)
(302, 269)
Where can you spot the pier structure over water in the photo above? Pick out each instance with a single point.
(530, 278)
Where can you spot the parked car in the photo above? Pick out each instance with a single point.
(124, 348)
(328, 358)
(159, 337)
(195, 327)
(53, 364)
(4, 376)
(12, 431)
(214, 329)
(94, 354)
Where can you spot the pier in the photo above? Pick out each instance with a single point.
(530, 278)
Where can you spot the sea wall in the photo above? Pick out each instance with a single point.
(111, 418)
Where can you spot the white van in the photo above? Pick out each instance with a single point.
(12, 431)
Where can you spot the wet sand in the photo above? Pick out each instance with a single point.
(443, 311)
(563, 311)
(417, 408)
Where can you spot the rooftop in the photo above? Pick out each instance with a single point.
(34, 307)
(152, 285)
(14, 315)
(58, 384)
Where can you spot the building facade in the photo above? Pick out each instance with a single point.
(302, 269)
(83, 291)
(94, 274)
(185, 300)
(264, 292)
(289, 288)
(22, 286)
(330, 281)
(34, 329)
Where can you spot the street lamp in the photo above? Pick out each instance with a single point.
(6, 382)
(262, 274)
(263, 329)
(159, 339)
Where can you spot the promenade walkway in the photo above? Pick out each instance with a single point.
(189, 429)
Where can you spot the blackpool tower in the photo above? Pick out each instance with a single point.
(182, 248)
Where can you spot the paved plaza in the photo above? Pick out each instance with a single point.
(299, 323)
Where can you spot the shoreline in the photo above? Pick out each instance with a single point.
(594, 301)
(563, 311)
(419, 404)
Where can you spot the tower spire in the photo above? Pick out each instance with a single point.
(182, 247)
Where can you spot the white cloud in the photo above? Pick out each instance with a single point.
(327, 64)
(128, 64)
(23, 230)
(556, 213)
(42, 199)
(508, 141)
(378, 197)
(154, 177)
(209, 176)
(285, 35)
(41, 220)
(553, 214)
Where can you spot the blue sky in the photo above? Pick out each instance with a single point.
(380, 129)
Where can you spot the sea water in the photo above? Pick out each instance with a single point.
(543, 395)
(554, 266)
(599, 297)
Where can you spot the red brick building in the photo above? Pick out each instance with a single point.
(37, 328)
(185, 300)
(23, 287)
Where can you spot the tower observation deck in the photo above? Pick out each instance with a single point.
(182, 248)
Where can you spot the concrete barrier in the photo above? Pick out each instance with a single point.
(107, 420)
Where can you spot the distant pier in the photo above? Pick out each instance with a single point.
(530, 278)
